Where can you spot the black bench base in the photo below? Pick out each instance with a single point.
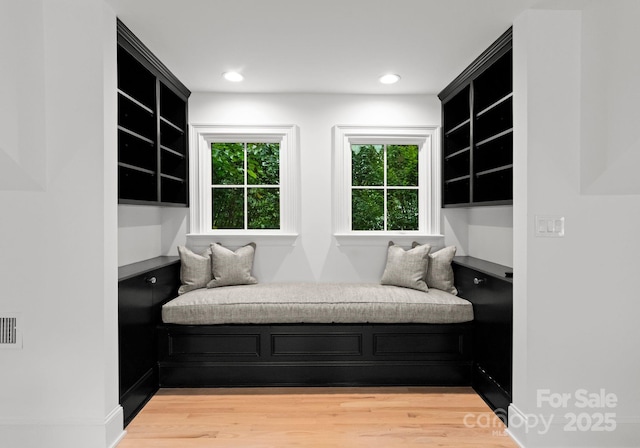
(315, 355)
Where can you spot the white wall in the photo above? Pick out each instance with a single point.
(610, 153)
(575, 307)
(481, 232)
(58, 228)
(146, 232)
(316, 256)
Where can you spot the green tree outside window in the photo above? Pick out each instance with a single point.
(245, 185)
(384, 193)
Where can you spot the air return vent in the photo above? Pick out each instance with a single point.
(10, 336)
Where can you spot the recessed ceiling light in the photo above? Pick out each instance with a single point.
(233, 76)
(389, 79)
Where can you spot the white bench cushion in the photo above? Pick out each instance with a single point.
(272, 303)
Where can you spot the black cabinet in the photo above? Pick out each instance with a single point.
(152, 128)
(477, 128)
(486, 285)
(142, 289)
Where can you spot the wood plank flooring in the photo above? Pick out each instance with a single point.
(317, 417)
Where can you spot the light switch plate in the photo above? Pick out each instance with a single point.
(549, 226)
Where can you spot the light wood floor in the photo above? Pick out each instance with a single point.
(316, 417)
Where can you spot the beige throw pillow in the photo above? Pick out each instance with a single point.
(232, 268)
(406, 268)
(440, 272)
(195, 270)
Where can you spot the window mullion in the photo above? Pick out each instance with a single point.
(384, 153)
(246, 190)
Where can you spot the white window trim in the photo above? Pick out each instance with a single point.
(427, 137)
(201, 137)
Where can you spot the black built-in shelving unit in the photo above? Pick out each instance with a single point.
(477, 124)
(152, 128)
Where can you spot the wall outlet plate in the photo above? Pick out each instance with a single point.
(549, 226)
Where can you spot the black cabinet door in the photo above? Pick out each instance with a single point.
(493, 315)
(492, 298)
(135, 331)
(143, 289)
(165, 288)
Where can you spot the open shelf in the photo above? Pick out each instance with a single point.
(136, 152)
(142, 138)
(173, 164)
(135, 101)
(505, 133)
(457, 165)
(152, 127)
(137, 184)
(457, 140)
(175, 127)
(136, 118)
(494, 185)
(464, 124)
(172, 137)
(477, 144)
(456, 109)
(494, 153)
(494, 105)
(457, 191)
(172, 107)
(171, 151)
(173, 189)
(494, 83)
(493, 170)
(494, 122)
(135, 80)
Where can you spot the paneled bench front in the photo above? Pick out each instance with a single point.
(315, 334)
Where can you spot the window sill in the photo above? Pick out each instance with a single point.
(237, 239)
(377, 239)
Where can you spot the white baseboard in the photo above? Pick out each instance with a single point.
(626, 433)
(517, 434)
(63, 433)
(113, 425)
(117, 441)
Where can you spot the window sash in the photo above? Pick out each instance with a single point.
(385, 187)
(427, 139)
(246, 186)
(202, 136)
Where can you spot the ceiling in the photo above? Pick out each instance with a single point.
(320, 46)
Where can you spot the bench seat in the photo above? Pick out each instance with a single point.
(295, 303)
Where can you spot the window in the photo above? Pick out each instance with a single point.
(245, 183)
(386, 181)
(245, 193)
(384, 187)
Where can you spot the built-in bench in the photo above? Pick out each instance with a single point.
(315, 334)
